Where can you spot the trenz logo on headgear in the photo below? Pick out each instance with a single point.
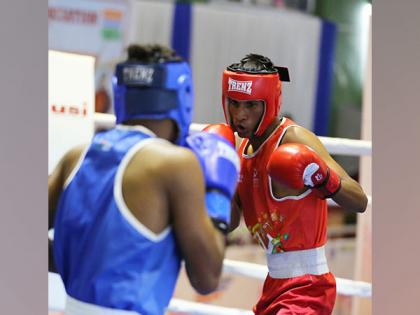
(138, 75)
(240, 86)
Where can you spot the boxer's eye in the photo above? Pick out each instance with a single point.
(235, 104)
(252, 105)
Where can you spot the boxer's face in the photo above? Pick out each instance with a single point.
(245, 116)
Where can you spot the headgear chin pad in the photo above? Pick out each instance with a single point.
(243, 86)
(154, 91)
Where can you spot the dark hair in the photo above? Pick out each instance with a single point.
(254, 63)
(258, 64)
(153, 53)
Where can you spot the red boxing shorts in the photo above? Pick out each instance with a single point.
(302, 295)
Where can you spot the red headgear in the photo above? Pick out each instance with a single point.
(243, 86)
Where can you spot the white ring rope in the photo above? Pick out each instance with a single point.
(334, 145)
(333, 203)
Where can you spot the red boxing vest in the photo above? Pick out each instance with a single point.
(286, 224)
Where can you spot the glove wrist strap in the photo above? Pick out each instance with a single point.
(218, 209)
(220, 225)
(330, 186)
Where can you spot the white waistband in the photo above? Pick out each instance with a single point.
(297, 263)
(76, 307)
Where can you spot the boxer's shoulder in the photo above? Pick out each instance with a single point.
(71, 159)
(297, 134)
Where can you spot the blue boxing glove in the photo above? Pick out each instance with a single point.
(220, 164)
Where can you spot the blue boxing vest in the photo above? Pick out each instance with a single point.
(104, 255)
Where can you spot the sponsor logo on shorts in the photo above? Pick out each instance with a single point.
(240, 86)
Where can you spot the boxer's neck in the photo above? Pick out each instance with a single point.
(257, 141)
(163, 128)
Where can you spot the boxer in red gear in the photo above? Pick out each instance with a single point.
(286, 176)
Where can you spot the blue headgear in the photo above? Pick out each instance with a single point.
(154, 91)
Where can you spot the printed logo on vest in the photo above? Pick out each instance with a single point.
(240, 86)
(255, 178)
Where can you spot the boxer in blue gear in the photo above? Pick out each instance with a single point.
(129, 207)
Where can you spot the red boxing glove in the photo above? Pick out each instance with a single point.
(223, 130)
(297, 165)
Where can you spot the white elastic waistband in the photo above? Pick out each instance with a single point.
(76, 307)
(297, 263)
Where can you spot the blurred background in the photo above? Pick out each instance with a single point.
(325, 45)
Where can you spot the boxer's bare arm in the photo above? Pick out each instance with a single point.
(351, 195)
(56, 182)
(58, 177)
(201, 244)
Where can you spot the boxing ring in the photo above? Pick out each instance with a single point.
(57, 295)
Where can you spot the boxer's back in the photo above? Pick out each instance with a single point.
(106, 255)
